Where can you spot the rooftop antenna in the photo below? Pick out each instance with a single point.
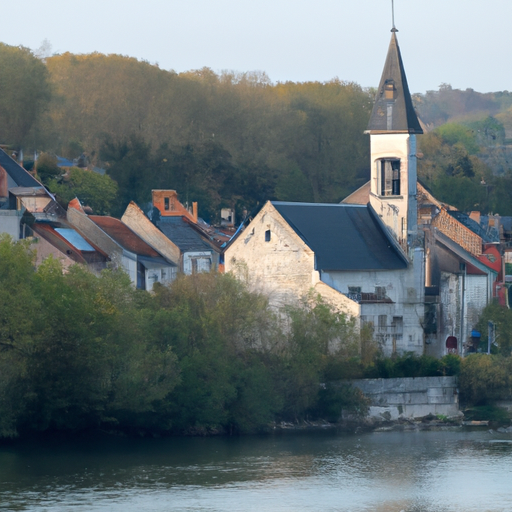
(394, 29)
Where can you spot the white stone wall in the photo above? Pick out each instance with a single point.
(275, 261)
(450, 296)
(159, 274)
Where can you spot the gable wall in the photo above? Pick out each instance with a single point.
(459, 233)
(97, 236)
(45, 249)
(135, 219)
(282, 268)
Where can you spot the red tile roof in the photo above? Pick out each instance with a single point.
(124, 236)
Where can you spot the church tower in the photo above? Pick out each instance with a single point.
(393, 127)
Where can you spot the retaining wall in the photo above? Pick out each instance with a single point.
(410, 398)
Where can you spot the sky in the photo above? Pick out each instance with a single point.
(464, 43)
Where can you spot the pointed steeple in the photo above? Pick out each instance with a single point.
(393, 111)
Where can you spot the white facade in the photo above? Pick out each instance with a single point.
(196, 262)
(398, 325)
(397, 207)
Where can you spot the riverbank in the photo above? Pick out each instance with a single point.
(426, 423)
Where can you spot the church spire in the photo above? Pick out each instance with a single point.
(393, 110)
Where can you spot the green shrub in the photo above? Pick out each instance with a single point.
(488, 413)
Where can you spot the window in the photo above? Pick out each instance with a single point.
(267, 235)
(389, 177)
(354, 293)
(380, 292)
(383, 319)
(169, 204)
(397, 325)
(389, 90)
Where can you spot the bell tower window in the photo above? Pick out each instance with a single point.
(389, 90)
(389, 177)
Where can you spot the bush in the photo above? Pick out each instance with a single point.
(488, 413)
(485, 378)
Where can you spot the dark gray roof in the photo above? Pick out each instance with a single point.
(488, 236)
(343, 236)
(394, 114)
(18, 174)
(182, 234)
(506, 222)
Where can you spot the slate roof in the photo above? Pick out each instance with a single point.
(506, 222)
(488, 236)
(18, 174)
(397, 114)
(343, 236)
(182, 234)
(124, 236)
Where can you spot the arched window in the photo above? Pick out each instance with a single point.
(451, 345)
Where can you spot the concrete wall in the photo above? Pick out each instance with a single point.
(410, 398)
(10, 222)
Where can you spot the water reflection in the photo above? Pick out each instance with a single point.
(387, 472)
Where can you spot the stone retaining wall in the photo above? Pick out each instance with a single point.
(410, 398)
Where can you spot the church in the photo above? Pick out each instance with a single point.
(366, 259)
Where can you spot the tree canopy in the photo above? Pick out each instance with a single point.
(25, 87)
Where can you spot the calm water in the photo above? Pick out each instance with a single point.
(379, 472)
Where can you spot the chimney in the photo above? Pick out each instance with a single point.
(194, 210)
(475, 216)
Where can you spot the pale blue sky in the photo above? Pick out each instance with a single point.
(465, 43)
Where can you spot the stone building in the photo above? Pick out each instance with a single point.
(367, 260)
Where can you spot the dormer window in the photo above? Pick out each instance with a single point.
(389, 90)
(389, 174)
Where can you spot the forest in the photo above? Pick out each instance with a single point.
(235, 139)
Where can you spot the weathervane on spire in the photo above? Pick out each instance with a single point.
(394, 29)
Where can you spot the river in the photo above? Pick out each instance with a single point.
(436, 471)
